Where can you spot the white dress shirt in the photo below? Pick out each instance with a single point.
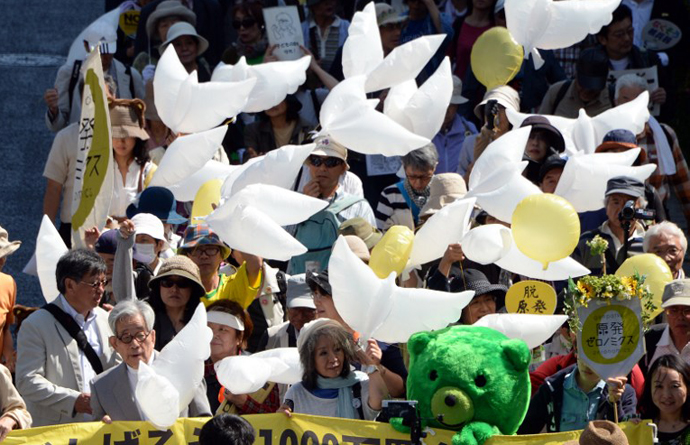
(666, 347)
(90, 328)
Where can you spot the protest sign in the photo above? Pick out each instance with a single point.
(129, 21)
(650, 75)
(611, 340)
(660, 34)
(285, 31)
(278, 429)
(531, 297)
(93, 181)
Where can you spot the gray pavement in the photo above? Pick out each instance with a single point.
(35, 36)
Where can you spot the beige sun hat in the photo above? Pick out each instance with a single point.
(326, 146)
(180, 29)
(169, 8)
(127, 118)
(7, 247)
(444, 188)
(180, 266)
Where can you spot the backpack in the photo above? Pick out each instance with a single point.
(318, 234)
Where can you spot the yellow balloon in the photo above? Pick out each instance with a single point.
(545, 227)
(207, 196)
(392, 252)
(657, 273)
(496, 58)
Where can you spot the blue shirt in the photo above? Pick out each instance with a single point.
(579, 408)
(425, 27)
(449, 144)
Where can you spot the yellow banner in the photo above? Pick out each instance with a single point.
(278, 429)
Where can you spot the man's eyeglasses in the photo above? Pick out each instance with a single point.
(329, 162)
(182, 283)
(206, 250)
(678, 312)
(95, 284)
(140, 337)
(245, 23)
(420, 177)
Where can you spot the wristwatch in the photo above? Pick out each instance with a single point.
(369, 369)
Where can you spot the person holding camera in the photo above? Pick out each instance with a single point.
(625, 205)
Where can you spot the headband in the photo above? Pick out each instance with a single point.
(225, 319)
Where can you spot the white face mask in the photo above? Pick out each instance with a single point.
(145, 253)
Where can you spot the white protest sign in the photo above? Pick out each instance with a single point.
(285, 31)
(661, 34)
(378, 165)
(93, 181)
(650, 75)
(611, 340)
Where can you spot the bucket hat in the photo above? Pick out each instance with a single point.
(361, 228)
(159, 202)
(473, 279)
(180, 266)
(202, 235)
(169, 8)
(180, 29)
(444, 188)
(127, 118)
(553, 135)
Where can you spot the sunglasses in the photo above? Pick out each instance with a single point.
(208, 251)
(181, 284)
(245, 23)
(329, 162)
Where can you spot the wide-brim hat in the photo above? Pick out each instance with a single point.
(7, 247)
(444, 189)
(180, 266)
(554, 136)
(504, 95)
(202, 235)
(601, 432)
(319, 279)
(166, 9)
(676, 293)
(473, 279)
(180, 29)
(158, 201)
(127, 118)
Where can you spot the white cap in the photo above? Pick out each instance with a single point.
(148, 224)
(298, 293)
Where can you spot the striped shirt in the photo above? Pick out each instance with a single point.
(391, 200)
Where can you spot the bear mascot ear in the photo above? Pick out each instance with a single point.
(418, 342)
(517, 354)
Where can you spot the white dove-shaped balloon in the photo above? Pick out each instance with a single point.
(187, 106)
(352, 120)
(49, 248)
(251, 220)
(585, 133)
(379, 309)
(187, 155)
(550, 24)
(584, 178)
(245, 374)
(274, 80)
(176, 372)
(501, 191)
(506, 150)
(530, 328)
(421, 110)
(447, 226)
(363, 54)
(487, 244)
(278, 167)
(76, 50)
(186, 189)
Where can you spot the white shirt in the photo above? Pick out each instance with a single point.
(641, 14)
(638, 233)
(90, 328)
(666, 347)
(620, 65)
(125, 193)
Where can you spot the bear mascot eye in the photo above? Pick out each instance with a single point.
(433, 375)
(480, 381)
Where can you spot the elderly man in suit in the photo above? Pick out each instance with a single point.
(64, 345)
(112, 396)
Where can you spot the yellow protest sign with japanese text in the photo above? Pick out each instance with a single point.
(278, 429)
(531, 297)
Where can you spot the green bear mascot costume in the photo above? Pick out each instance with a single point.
(472, 380)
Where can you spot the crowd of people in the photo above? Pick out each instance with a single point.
(140, 278)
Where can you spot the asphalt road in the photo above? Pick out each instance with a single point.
(35, 36)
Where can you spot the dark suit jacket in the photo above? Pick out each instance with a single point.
(112, 394)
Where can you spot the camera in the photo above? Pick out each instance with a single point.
(491, 113)
(407, 410)
(629, 212)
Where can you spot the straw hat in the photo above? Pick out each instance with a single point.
(7, 247)
(127, 118)
(180, 266)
